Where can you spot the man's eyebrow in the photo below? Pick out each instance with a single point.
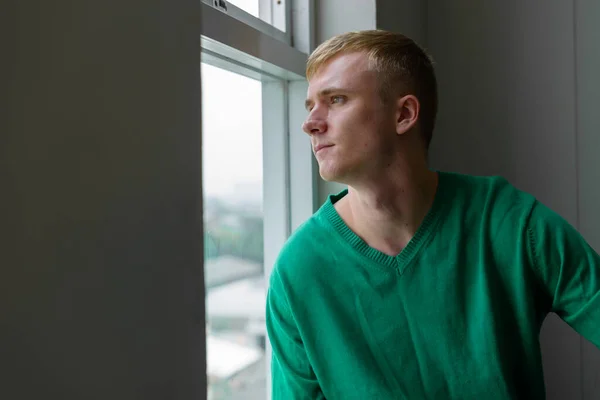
(326, 92)
(332, 89)
(307, 104)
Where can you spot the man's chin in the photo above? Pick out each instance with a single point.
(330, 175)
(344, 175)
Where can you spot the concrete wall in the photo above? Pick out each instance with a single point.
(101, 284)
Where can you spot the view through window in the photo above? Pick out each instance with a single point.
(233, 235)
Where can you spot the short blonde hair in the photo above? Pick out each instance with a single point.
(403, 66)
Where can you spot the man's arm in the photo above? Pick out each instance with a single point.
(291, 373)
(569, 269)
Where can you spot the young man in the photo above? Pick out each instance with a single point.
(414, 284)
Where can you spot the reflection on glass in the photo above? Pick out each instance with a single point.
(233, 235)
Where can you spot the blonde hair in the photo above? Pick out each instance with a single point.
(402, 65)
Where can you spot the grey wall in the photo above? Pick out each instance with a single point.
(508, 106)
(518, 88)
(407, 16)
(587, 51)
(101, 288)
(338, 16)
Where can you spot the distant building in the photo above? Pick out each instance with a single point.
(234, 371)
(226, 269)
(244, 299)
(236, 338)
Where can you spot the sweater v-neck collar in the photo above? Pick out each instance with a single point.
(403, 259)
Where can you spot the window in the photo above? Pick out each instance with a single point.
(269, 16)
(233, 235)
(258, 176)
(250, 6)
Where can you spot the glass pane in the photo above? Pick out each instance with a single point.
(233, 235)
(250, 6)
(271, 11)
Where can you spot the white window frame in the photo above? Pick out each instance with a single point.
(239, 42)
(274, 20)
(276, 13)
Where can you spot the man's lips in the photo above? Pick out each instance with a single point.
(321, 147)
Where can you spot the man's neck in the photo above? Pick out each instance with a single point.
(387, 213)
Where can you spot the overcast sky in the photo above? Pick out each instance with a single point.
(231, 129)
(231, 126)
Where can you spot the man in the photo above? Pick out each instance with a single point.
(412, 283)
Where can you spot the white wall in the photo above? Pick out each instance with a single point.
(101, 285)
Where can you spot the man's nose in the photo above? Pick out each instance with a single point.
(313, 126)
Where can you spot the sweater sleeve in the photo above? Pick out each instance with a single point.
(291, 373)
(569, 270)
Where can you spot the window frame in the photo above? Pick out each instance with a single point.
(272, 21)
(279, 17)
(242, 43)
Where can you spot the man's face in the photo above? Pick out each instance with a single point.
(351, 129)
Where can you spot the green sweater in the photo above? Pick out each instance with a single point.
(456, 315)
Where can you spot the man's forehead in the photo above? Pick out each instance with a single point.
(346, 71)
(343, 64)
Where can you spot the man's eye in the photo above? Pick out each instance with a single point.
(337, 99)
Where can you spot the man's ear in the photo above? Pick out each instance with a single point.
(407, 113)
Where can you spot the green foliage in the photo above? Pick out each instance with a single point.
(243, 240)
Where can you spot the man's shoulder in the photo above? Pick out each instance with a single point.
(487, 187)
(491, 197)
(476, 182)
(303, 250)
(303, 237)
